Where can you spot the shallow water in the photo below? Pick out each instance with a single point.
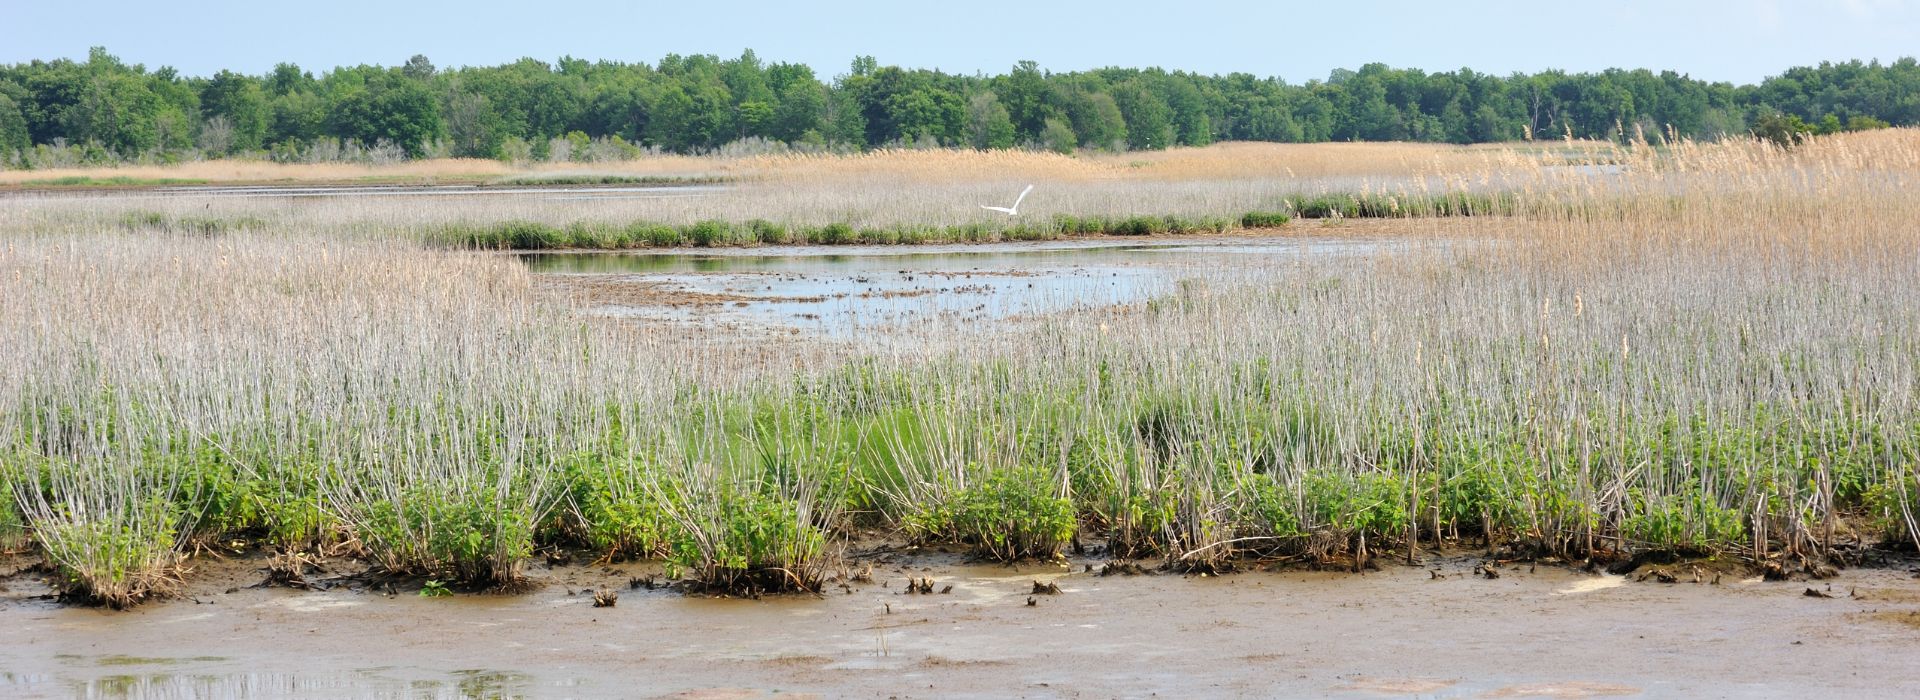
(846, 290)
(1534, 632)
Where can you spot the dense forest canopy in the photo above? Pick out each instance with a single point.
(104, 109)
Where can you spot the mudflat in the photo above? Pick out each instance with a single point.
(1439, 629)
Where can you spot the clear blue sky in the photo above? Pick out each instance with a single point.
(1736, 40)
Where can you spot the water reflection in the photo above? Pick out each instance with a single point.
(848, 290)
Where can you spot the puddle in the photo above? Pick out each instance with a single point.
(842, 292)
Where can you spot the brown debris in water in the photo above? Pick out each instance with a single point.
(605, 598)
(1048, 588)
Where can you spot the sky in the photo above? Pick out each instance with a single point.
(1738, 41)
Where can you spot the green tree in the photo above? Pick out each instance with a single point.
(1191, 123)
(296, 119)
(472, 128)
(988, 124)
(241, 102)
(1096, 120)
(845, 123)
(287, 78)
(1149, 121)
(418, 68)
(927, 112)
(802, 105)
(1783, 130)
(13, 128)
(386, 108)
(1058, 137)
(1024, 93)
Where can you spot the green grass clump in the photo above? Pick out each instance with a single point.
(278, 502)
(1013, 514)
(470, 536)
(582, 180)
(830, 234)
(768, 232)
(115, 557)
(1376, 206)
(1360, 504)
(197, 225)
(592, 235)
(1892, 505)
(654, 235)
(1265, 219)
(711, 232)
(748, 541)
(619, 515)
(115, 181)
(13, 526)
(505, 235)
(595, 235)
(1688, 523)
(1271, 510)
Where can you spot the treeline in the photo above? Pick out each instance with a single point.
(54, 112)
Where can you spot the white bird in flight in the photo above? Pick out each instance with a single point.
(1012, 210)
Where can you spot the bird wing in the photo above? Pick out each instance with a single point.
(1002, 210)
(1023, 196)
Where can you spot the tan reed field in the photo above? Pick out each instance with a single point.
(1704, 349)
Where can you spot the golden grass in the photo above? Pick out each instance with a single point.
(1238, 160)
(260, 171)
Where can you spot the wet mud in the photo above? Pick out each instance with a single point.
(931, 625)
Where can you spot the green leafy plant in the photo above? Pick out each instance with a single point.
(1013, 514)
(749, 541)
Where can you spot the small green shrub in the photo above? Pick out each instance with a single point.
(749, 541)
(1265, 219)
(13, 526)
(519, 235)
(1372, 503)
(197, 225)
(709, 233)
(1271, 510)
(655, 235)
(830, 234)
(766, 231)
(1013, 514)
(1691, 523)
(471, 538)
(1135, 226)
(117, 557)
(1326, 207)
(279, 500)
(1888, 506)
(1139, 522)
(619, 516)
(588, 234)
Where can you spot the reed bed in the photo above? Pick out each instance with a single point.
(1713, 351)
